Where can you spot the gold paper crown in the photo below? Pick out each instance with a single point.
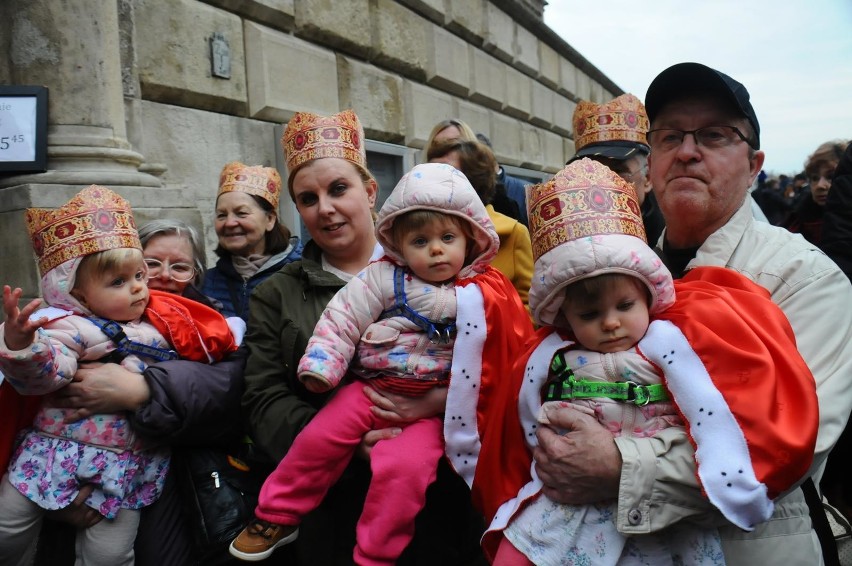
(257, 180)
(95, 220)
(311, 136)
(584, 199)
(620, 120)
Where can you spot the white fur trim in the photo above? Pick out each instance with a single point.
(529, 404)
(461, 431)
(510, 508)
(724, 464)
(535, 376)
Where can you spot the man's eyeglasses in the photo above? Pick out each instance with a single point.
(627, 174)
(710, 137)
(180, 272)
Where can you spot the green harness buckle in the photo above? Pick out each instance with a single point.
(564, 387)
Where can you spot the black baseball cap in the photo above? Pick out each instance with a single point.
(615, 149)
(694, 78)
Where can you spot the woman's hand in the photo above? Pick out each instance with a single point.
(372, 438)
(77, 513)
(19, 330)
(403, 409)
(101, 388)
(581, 466)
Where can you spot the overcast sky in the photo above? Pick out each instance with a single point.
(793, 56)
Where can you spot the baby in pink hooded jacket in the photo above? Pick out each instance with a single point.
(403, 325)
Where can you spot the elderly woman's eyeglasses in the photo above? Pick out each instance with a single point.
(180, 272)
(710, 137)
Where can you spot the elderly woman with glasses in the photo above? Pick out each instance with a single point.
(174, 254)
(182, 403)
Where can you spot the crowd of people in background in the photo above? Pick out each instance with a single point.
(644, 359)
(798, 203)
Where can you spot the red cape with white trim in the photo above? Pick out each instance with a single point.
(734, 355)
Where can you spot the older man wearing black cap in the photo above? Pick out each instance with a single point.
(705, 139)
(614, 133)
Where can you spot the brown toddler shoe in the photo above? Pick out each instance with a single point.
(260, 538)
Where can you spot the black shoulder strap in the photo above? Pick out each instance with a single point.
(820, 523)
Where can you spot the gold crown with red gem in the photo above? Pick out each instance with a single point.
(584, 199)
(264, 182)
(621, 120)
(310, 136)
(586, 222)
(95, 220)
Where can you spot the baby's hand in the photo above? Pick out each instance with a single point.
(20, 330)
(315, 383)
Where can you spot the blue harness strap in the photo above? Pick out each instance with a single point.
(437, 332)
(125, 346)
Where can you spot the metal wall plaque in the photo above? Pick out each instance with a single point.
(220, 56)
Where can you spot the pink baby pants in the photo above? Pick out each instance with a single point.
(403, 467)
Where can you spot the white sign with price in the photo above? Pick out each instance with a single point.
(17, 128)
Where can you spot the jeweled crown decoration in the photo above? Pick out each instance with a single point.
(310, 136)
(622, 119)
(264, 182)
(584, 199)
(95, 220)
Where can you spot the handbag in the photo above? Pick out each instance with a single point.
(842, 532)
(831, 526)
(219, 491)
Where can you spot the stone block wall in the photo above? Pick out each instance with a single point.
(402, 65)
(317, 50)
